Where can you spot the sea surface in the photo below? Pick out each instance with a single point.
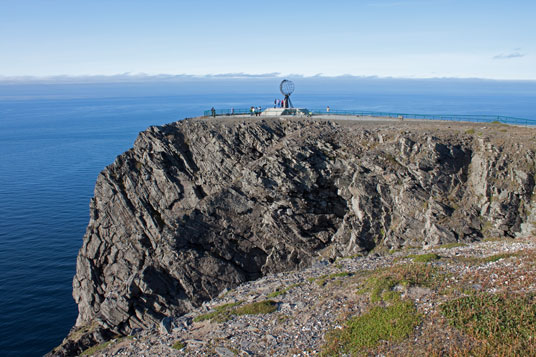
(56, 138)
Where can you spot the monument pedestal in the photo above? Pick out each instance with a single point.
(277, 112)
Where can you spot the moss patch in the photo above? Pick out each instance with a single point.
(381, 284)
(223, 313)
(453, 245)
(178, 345)
(255, 308)
(220, 314)
(392, 323)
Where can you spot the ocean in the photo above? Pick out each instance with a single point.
(55, 138)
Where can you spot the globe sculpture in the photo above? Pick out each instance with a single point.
(287, 87)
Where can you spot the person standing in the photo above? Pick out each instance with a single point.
(327, 109)
(213, 111)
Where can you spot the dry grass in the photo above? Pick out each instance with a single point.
(505, 324)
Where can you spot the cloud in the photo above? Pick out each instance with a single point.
(515, 54)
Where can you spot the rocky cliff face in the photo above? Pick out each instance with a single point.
(202, 205)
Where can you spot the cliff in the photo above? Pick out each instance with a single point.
(202, 205)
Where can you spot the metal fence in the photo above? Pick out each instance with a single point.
(359, 113)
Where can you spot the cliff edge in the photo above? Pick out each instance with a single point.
(202, 205)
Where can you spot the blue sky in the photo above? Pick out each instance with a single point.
(386, 38)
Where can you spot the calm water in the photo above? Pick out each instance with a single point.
(54, 140)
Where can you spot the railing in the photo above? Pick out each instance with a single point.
(219, 112)
(359, 113)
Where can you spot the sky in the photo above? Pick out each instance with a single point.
(385, 38)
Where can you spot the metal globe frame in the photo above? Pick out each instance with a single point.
(286, 87)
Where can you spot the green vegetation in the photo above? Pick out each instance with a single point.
(255, 308)
(94, 349)
(496, 257)
(505, 324)
(470, 131)
(281, 291)
(325, 278)
(424, 258)
(277, 293)
(225, 312)
(220, 314)
(178, 345)
(453, 245)
(392, 323)
(322, 280)
(97, 348)
(380, 286)
(382, 283)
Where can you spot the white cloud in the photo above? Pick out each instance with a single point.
(515, 54)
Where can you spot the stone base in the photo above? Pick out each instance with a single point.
(277, 112)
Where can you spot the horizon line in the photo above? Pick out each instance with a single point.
(144, 77)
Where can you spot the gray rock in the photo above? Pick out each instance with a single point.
(224, 352)
(203, 205)
(166, 325)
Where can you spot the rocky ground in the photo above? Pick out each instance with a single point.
(311, 303)
(206, 204)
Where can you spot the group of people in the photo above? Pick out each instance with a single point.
(280, 103)
(256, 110)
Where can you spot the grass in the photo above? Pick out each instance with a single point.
(497, 257)
(94, 349)
(453, 245)
(224, 312)
(220, 314)
(392, 323)
(178, 345)
(381, 284)
(255, 308)
(470, 131)
(424, 258)
(505, 324)
(97, 348)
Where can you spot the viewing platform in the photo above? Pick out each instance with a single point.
(360, 114)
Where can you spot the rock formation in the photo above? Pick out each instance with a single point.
(201, 205)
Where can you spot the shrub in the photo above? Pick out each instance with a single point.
(178, 345)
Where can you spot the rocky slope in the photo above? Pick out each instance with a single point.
(312, 303)
(202, 205)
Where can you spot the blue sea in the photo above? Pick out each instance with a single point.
(55, 138)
